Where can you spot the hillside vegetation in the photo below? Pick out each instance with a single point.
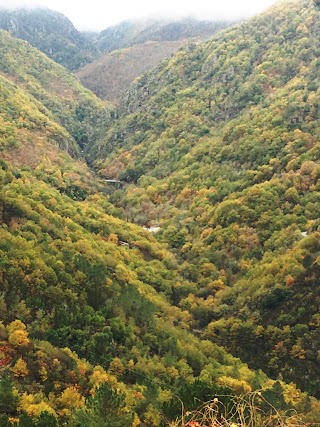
(75, 276)
(220, 145)
(37, 94)
(139, 45)
(134, 47)
(130, 33)
(52, 33)
(111, 75)
(89, 334)
(104, 324)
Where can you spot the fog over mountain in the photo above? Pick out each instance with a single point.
(99, 15)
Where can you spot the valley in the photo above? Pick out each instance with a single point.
(160, 237)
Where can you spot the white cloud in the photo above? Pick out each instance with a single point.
(99, 14)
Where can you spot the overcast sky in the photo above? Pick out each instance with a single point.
(99, 14)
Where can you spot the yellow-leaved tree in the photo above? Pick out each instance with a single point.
(20, 368)
(18, 335)
(69, 399)
(33, 405)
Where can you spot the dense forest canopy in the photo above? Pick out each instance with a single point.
(103, 323)
(111, 75)
(221, 145)
(52, 33)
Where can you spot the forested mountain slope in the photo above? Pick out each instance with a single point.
(52, 33)
(37, 92)
(111, 75)
(89, 331)
(130, 33)
(221, 144)
(80, 278)
(134, 47)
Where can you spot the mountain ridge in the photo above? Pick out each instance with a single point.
(126, 43)
(131, 32)
(51, 32)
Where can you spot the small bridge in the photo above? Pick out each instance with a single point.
(115, 182)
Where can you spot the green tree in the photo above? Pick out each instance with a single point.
(105, 409)
(8, 398)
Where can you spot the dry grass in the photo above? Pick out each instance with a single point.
(241, 411)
